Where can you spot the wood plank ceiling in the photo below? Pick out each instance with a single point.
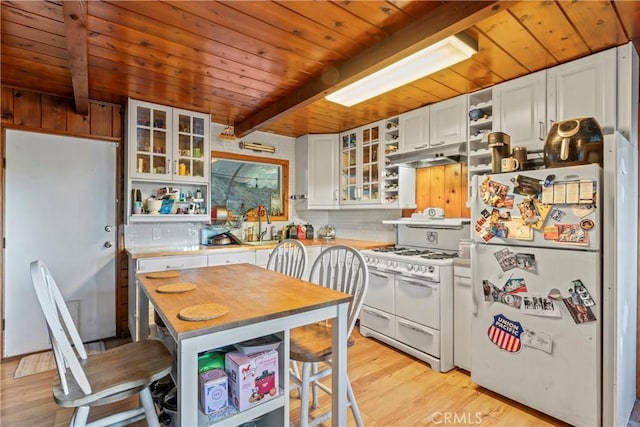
(264, 65)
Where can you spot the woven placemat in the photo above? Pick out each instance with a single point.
(199, 312)
(176, 288)
(163, 274)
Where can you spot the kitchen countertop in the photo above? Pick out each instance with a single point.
(157, 251)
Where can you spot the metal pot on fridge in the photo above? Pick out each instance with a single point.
(573, 142)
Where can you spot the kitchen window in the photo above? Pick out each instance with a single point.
(240, 183)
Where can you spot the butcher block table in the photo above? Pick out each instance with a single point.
(259, 302)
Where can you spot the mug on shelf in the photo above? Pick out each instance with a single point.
(509, 164)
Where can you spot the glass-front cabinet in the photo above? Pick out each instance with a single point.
(360, 165)
(192, 147)
(152, 125)
(168, 157)
(167, 143)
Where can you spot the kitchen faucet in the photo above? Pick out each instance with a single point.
(260, 210)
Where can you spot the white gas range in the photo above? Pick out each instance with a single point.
(409, 303)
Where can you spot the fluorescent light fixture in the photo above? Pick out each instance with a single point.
(440, 55)
(257, 147)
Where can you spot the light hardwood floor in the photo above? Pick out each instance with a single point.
(392, 389)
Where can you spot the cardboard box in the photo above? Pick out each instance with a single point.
(213, 391)
(253, 378)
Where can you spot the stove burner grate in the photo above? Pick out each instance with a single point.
(439, 255)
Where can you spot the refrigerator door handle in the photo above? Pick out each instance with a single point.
(474, 275)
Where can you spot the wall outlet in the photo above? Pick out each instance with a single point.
(155, 233)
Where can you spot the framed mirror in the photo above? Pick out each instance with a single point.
(241, 183)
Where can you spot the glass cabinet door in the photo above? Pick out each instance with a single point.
(190, 154)
(370, 162)
(152, 142)
(348, 184)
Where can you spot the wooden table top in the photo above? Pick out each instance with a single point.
(251, 293)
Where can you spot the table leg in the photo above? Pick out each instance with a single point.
(187, 383)
(339, 370)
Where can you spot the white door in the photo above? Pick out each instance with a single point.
(555, 366)
(59, 208)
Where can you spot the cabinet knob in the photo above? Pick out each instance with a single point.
(108, 228)
(108, 244)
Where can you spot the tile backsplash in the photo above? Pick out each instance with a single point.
(144, 235)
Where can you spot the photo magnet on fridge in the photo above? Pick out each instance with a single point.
(557, 214)
(494, 193)
(537, 339)
(526, 262)
(526, 186)
(506, 333)
(506, 259)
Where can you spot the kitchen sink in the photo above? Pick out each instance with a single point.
(262, 243)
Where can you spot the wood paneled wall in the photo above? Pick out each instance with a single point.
(443, 187)
(39, 112)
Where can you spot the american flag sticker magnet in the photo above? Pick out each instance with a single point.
(506, 333)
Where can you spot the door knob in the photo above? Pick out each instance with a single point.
(108, 228)
(108, 244)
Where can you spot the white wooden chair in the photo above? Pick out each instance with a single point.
(341, 268)
(84, 382)
(288, 257)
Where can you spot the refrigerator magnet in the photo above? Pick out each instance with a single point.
(579, 312)
(505, 333)
(526, 186)
(539, 306)
(517, 230)
(494, 193)
(557, 214)
(515, 286)
(537, 339)
(526, 262)
(587, 224)
(506, 259)
(550, 232)
(582, 292)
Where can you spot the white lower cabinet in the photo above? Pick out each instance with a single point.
(462, 310)
(232, 257)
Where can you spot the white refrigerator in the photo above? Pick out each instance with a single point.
(537, 289)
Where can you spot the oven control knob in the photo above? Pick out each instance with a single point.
(388, 263)
(376, 261)
(395, 264)
(431, 269)
(409, 267)
(424, 268)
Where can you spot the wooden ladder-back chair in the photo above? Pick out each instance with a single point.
(288, 257)
(110, 376)
(341, 268)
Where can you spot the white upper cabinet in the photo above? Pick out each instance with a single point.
(448, 122)
(317, 170)
(167, 144)
(414, 129)
(520, 105)
(584, 87)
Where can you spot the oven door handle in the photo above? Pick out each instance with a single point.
(421, 284)
(414, 328)
(374, 314)
(375, 273)
(378, 269)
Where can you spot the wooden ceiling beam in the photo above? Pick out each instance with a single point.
(75, 25)
(446, 20)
